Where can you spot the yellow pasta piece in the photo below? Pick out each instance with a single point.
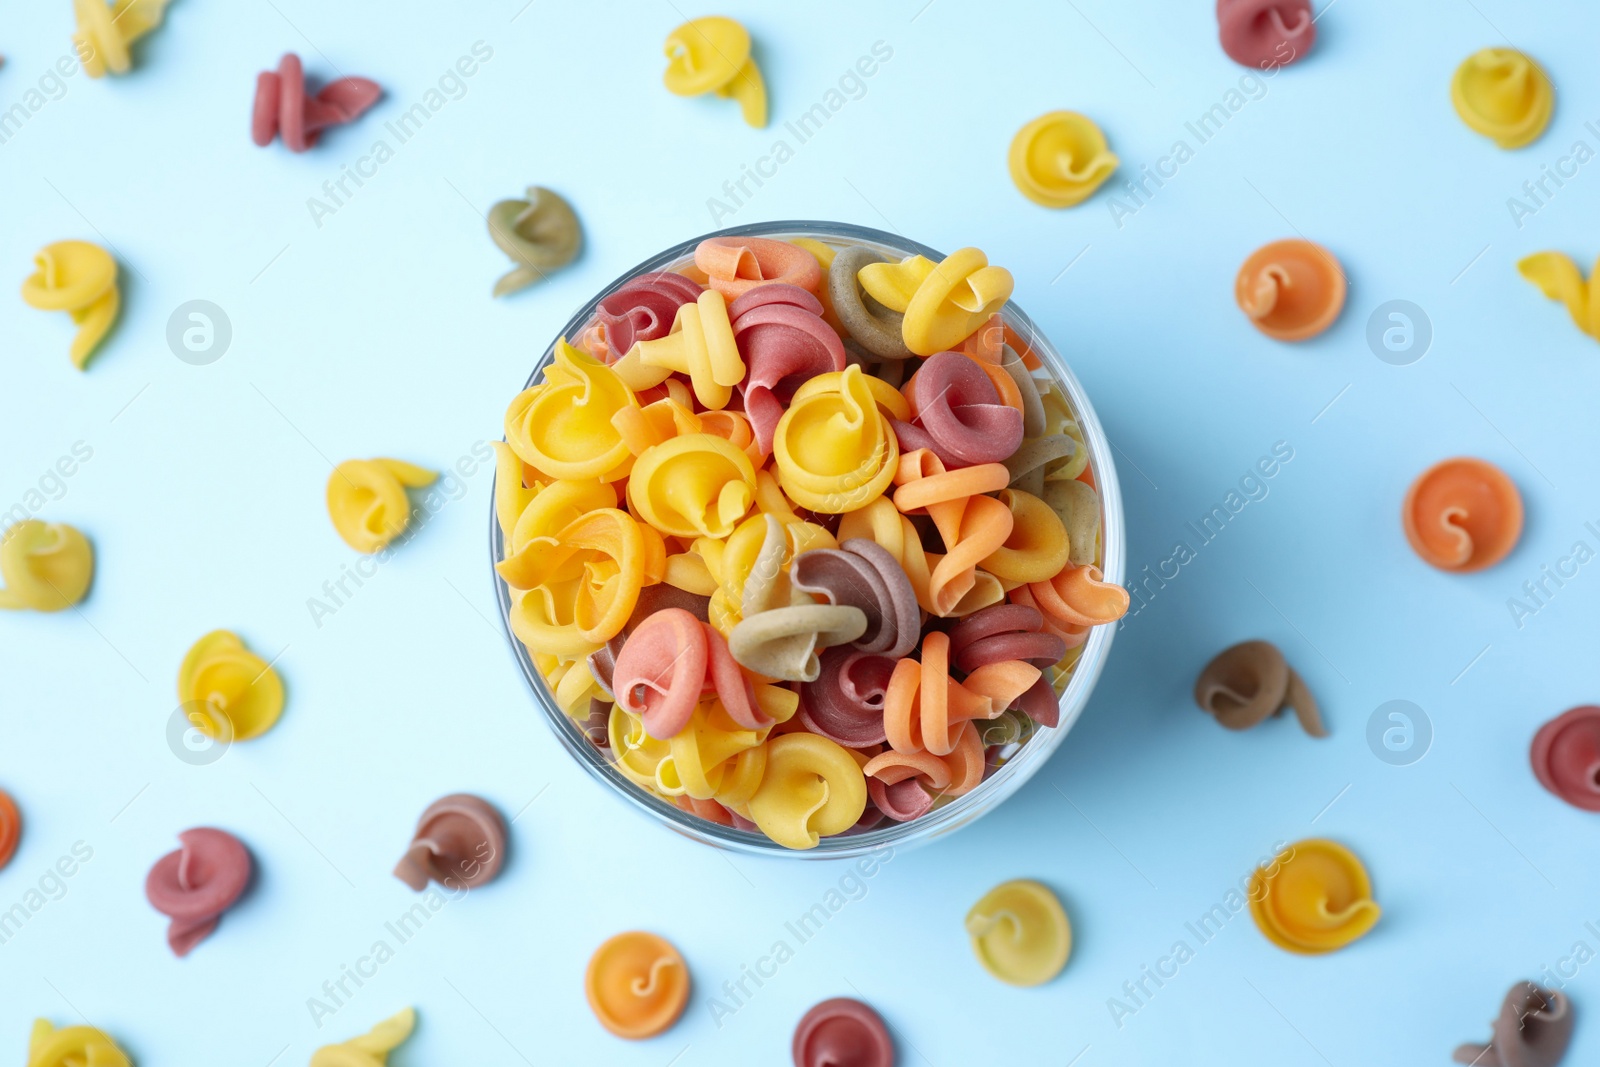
(81, 279)
(699, 345)
(106, 32)
(551, 507)
(834, 449)
(811, 789)
(1559, 278)
(702, 753)
(372, 1048)
(227, 691)
(564, 426)
(697, 485)
(572, 682)
(73, 1046)
(1036, 549)
(712, 54)
(953, 301)
(894, 284)
(367, 500)
(511, 496)
(1020, 933)
(636, 752)
(46, 566)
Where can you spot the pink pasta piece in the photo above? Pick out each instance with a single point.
(901, 801)
(1004, 632)
(959, 414)
(661, 670)
(283, 108)
(845, 703)
(732, 685)
(195, 884)
(784, 342)
(641, 310)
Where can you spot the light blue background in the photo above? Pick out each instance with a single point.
(375, 335)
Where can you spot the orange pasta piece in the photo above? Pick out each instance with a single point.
(1077, 597)
(966, 762)
(892, 767)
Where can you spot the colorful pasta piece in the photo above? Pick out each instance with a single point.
(736, 265)
(563, 426)
(811, 789)
(958, 413)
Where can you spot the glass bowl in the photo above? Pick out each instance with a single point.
(1032, 754)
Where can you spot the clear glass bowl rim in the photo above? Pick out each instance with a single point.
(1004, 781)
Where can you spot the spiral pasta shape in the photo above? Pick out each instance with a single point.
(812, 788)
(81, 279)
(564, 427)
(705, 756)
(972, 526)
(227, 691)
(540, 233)
(697, 485)
(735, 265)
(1077, 597)
(834, 450)
(782, 337)
(1036, 549)
(642, 310)
(943, 303)
(700, 345)
(580, 585)
(781, 628)
(1559, 278)
(367, 500)
(46, 566)
(73, 1046)
(712, 55)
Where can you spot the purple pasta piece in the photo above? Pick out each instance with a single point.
(654, 598)
(641, 310)
(862, 574)
(902, 801)
(1004, 632)
(961, 412)
(1040, 703)
(845, 703)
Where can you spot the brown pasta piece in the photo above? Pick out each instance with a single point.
(1079, 507)
(1251, 682)
(1533, 1029)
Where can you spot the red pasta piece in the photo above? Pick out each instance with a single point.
(780, 333)
(1004, 632)
(901, 801)
(195, 884)
(672, 660)
(959, 414)
(845, 703)
(282, 107)
(661, 670)
(1040, 703)
(642, 310)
